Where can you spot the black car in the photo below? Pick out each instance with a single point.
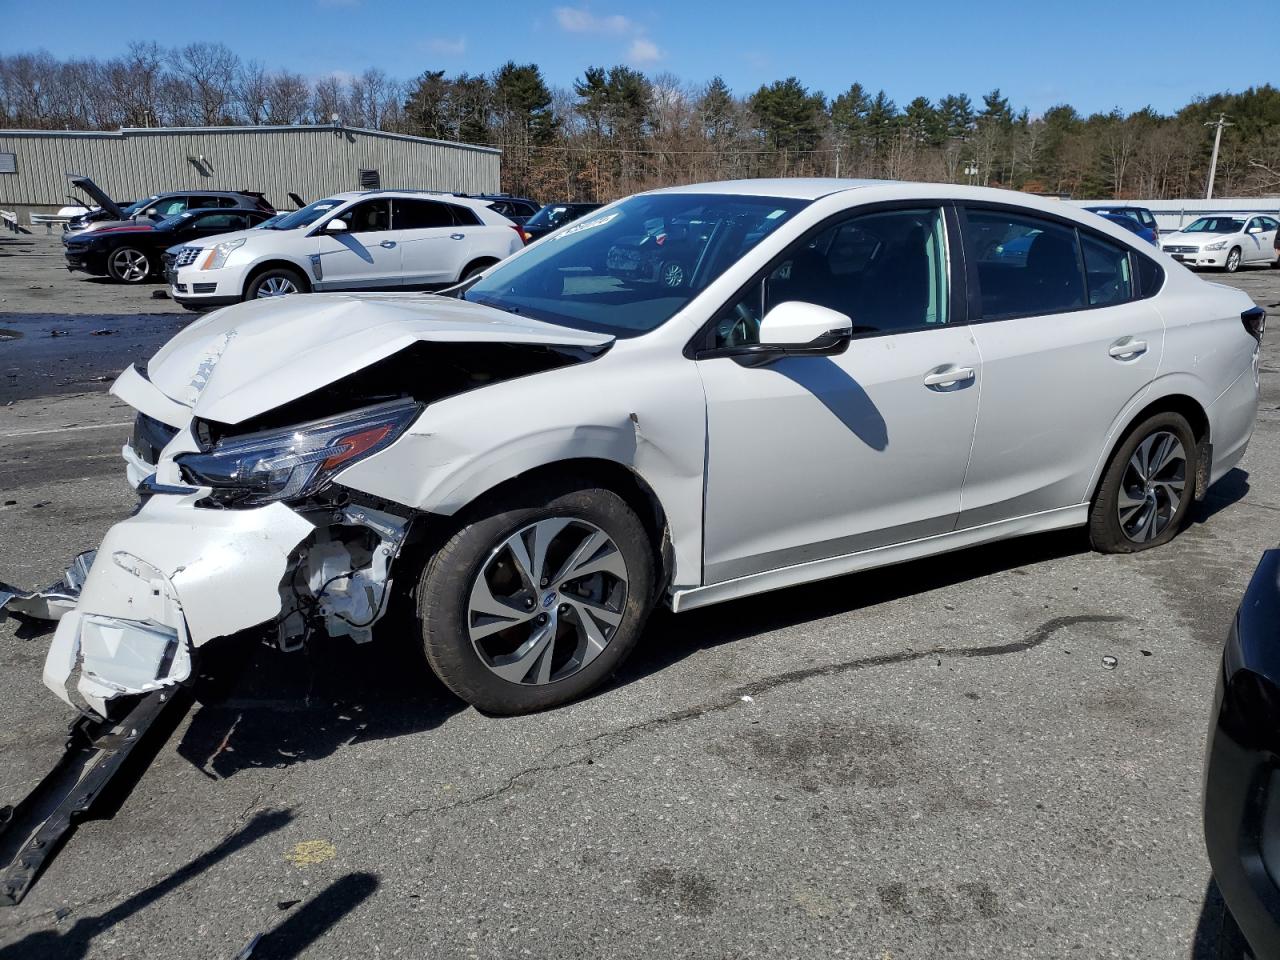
(1242, 776)
(133, 252)
(663, 254)
(515, 209)
(554, 216)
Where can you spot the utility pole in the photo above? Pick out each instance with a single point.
(1217, 140)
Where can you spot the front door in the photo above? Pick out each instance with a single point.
(1067, 345)
(365, 255)
(815, 457)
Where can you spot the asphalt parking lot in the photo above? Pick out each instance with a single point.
(926, 761)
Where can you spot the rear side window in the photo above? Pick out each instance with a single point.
(205, 203)
(1026, 266)
(420, 214)
(1107, 271)
(463, 216)
(1150, 276)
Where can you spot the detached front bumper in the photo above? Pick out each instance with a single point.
(166, 581)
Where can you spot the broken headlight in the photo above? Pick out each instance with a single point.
(259, 468)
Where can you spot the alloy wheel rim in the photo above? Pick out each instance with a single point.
(1152, 487)
(547, 601)
(673, 275)
(276, 287)
(130, 264)
(1233, 259)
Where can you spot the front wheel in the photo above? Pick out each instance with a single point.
(538, 598)
(128, 265)
(1233, 260)
(673, 275)
(280, 282)
(1148, 488)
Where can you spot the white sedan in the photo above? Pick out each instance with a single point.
(686, 397)
(1227, 241)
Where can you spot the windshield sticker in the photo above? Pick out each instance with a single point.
(590, 224)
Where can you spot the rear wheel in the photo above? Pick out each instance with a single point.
(128, 265)
(277, 282)
(475, 269)
(538, 599)
(672, 274)
(1233, 260)
(1148, 488)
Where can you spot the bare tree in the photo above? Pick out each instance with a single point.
(209, 71)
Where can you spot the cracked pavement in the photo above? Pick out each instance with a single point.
(930, 760)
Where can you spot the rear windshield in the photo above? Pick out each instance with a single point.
(558, 214)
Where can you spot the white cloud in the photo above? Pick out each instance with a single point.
(643, 51)
(581, 20)
(446, 47)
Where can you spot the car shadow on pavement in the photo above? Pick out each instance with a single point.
(75, 941)
(1230, 489)
(670, 638)
(1211, 941)
(259, 707)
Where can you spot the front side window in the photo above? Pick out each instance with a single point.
(629, 270)
(1026, 266)
(371, 216)
(1107, 271)
(420, 214)
(886, 271)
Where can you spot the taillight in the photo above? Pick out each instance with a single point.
(1255, 321)
(524, 237)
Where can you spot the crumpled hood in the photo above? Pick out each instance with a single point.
(236, 363)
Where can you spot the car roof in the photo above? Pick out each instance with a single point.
(409, 193)
(797, 188)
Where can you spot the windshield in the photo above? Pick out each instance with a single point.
(170, 222)
(627, 270)
(1215, 225)
(306, 216)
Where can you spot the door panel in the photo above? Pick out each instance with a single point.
(814, 457)
(368, 254)
(1053, 383)
(435, 250)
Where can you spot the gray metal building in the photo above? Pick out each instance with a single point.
(311, 161)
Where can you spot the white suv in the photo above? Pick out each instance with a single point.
(369, 240)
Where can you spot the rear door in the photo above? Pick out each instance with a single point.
(1257, 241)
(366, 255)
(1066, 347)
(436, 248)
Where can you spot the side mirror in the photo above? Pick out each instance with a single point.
(795, 327)
(335, 226)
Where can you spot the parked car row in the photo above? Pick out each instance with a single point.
(215, 247)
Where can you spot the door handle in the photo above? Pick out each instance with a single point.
(387, 244)
(949, 376)
(457, 236)
(1127, 348)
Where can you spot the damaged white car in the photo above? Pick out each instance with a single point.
(688, 396)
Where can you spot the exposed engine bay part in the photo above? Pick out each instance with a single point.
(346, 569)
(33, 830)
(54, 600)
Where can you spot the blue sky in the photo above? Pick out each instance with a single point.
(1095, 55)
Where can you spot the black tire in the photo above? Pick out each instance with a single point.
(1106, 532)
(1275, 262)
(1239, 257)
(472, 269)
(129, 265)
(1231, 942)
(278, 274)
(446, 583)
